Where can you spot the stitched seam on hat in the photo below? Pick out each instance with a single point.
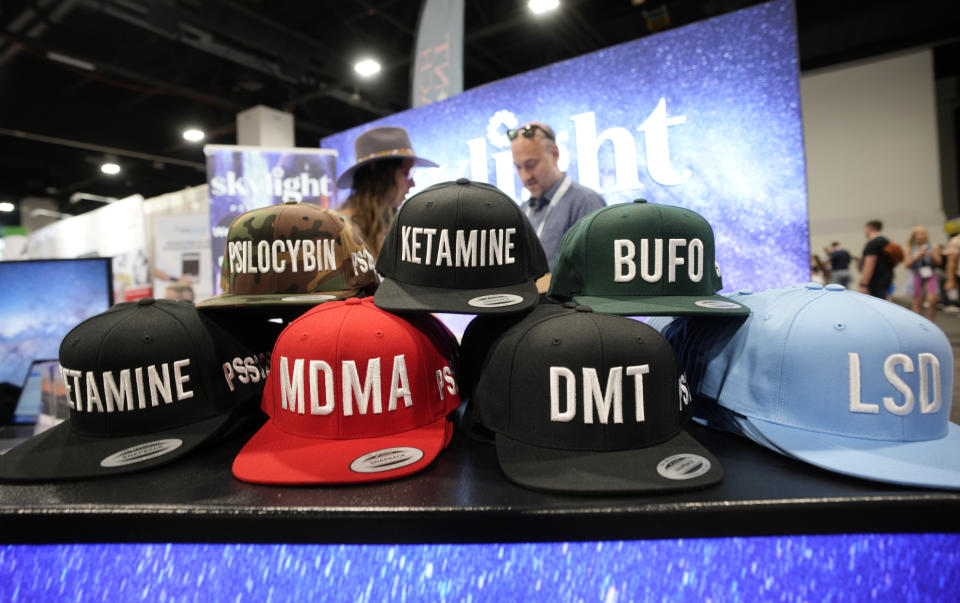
(606, 384)
(457, 273)
(584, 265)
(509, 380)
(663, 277)
(903, 419)
(338, 370)
(793, 321)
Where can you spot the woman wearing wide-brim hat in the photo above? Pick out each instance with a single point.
(380, 180)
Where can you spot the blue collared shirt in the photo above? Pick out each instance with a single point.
(577, 202)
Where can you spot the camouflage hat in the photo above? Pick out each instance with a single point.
(292, 254)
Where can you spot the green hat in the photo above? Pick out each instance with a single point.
(642, 259)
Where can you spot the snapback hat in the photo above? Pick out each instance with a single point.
(355, 394)
(642, 259)
(844, 381)
(147, 382)
(589, 403)
(292, 254)
(461, 247)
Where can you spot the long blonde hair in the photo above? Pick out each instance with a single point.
(372, 185)
(913, 236)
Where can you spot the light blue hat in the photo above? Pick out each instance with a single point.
(841, 380)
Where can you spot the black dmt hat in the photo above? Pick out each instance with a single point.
(462, 247)
(147, 382)
(590, 403)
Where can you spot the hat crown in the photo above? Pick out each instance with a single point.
(350, 370)
(638, 249)
(295, 249)
(582, 381)
(380, 140)
(146, 367)
(461, 235)
(834, 362)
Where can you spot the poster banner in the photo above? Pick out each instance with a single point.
(705, 116)
(245, 178)
(438, 63)
(181, 257)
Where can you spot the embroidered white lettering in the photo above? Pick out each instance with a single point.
(613, 396)
(929, 367)
(368, 396)
(895, 366)
(593, 396)
(107, 392)
(890, 372)
(625, 270)
(351, 387)
(316, 366)
(570, 410)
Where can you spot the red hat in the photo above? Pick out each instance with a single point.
(355, 394)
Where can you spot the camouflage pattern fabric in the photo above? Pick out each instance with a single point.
(294, 253)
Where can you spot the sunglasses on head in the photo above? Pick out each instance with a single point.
(529, 131)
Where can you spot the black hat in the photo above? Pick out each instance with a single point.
(590, 403)
(462, 247)
(147, 382)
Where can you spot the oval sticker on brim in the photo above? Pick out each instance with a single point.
(495, 301)
(717, 304)
(387, 459)
(141, 452)
(683, 466)
(308, 298)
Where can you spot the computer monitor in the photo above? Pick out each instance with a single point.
(40, 301)
(43, 393)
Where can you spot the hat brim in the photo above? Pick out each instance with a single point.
(232, 300)
(405, 297)
(273, 456)
(680, 463)
(665, 305)
(60, 453)
(928, 463)
(345, 180)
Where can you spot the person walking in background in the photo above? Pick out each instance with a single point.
(838, 260)
(951, 264)
(556, 201)
(876, 272)
(922, 260)
(379, 181)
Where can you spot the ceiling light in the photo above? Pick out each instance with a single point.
(7, 207)
(193, 135)
(538, 7)
(367, 67)
(110, 168)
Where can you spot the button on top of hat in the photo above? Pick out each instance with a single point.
(639, 200)
(353, 301)
(463, 181)
(290, 202)
(146, 301)
(812, 285)
(835, 287)
(584, 309)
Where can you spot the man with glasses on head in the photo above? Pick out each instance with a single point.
(556, 201)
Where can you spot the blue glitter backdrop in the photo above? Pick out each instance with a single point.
(705, 116)
(905, 567)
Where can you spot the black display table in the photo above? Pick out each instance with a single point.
(462, 497)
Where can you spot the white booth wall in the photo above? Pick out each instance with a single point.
(872, 152)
